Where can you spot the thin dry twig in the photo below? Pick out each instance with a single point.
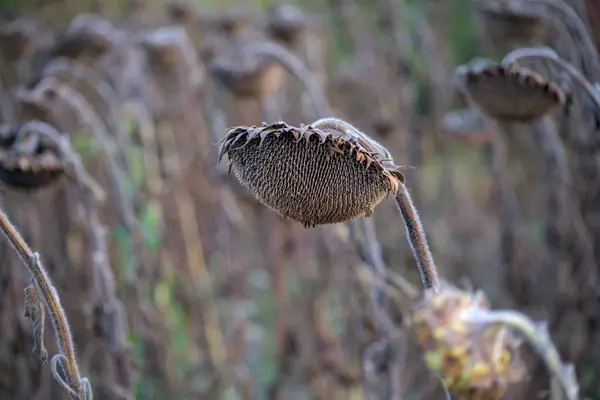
(64, 364)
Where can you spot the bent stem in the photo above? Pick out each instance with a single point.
(75, 385)
(571, 14)
(417, 239)
(564, 383)
(550, 55)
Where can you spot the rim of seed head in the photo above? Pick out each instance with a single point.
(287, 23)
(247, 76)
(509, 23)
(27, 161)
(310, 175)
(88, 35)
(474, 362)
(510, 93)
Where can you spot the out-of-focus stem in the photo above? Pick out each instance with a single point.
(538, 338)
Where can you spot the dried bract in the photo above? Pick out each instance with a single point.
(510, 93)
(510, 24)
(310, 175)
(474, 361)
(89, 36)
(246, 75)
(287, 23)
(28, 161)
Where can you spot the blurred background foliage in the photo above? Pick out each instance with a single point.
(221, 298)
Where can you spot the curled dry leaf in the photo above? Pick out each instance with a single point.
(510, 93)
(509, 24)
(310, 175)
(287, 23)
(35, 311)
(28, 161)
(246, 75)
(474, 361)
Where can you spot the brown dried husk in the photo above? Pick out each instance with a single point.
(29, 171)
(508, 27)
(512, 94)
(308, 175)
(254, 77)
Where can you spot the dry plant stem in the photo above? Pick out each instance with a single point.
(51, 299)
(550, 55)
(109, 96)
(197, 266)
(538, 338)
(98, 128)
(565, 222)
(571, 14)
(417, 239)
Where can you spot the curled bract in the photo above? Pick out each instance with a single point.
(310, 175)
(510, 93)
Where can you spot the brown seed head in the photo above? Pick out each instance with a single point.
(476, 362)
(182, 11)
(510, 24)
(27, 161)
(287, 23)
(310, 175)
(88, 36)
(510, 93)
(17, 38)
(246, 75)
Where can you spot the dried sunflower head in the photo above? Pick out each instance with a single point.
(182, 11)
(170, 51)
(474, 361)
(18, 38)
(246, 75)
(313, 176)
(287, 23)
(88, 36)
(27, 160)
(510, 24)
(509, 93)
